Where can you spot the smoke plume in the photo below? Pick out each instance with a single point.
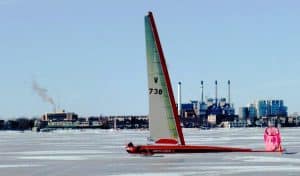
(42, 93)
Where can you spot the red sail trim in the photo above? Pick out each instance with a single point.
(166, 74)
(166, 141)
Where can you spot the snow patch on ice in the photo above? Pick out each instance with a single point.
(18, 165)
(63, 158)
(240, 169)
(267, 159)
(56, 152)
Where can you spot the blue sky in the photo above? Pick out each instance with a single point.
(90, 55)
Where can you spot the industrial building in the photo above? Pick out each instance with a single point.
(209, 112)
(59, 120)
(60, 116)
(220, 112)
(264, 111)
(266, 108)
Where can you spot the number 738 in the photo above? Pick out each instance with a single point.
(155, 91)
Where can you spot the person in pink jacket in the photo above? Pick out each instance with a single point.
(272, 139)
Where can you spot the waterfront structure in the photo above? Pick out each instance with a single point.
(60, 116)
(268, 108)
(252, 114)
(248, 114)
(212, 119)
(263, 112)
(128, 122)
(277, 108)
(262, 108)
(243, 113)
(71, 120)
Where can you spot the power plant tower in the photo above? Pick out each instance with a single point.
(229, 92)
(179, 98)
(202, 92)
(216, 83)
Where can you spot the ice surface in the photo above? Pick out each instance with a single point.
(102, 152)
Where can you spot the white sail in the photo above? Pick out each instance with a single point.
(162, 122)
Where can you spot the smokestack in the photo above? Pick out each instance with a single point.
(202, 92)
(229, 92)
(179, 98)
(216, 83)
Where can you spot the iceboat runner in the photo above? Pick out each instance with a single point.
(164, 123)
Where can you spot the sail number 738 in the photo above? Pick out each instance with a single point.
(155, 91)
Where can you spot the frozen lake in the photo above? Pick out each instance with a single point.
(102, 152)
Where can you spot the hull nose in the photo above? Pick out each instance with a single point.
(130, 148)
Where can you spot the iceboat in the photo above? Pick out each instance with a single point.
(164, 123)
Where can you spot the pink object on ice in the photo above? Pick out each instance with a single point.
(272, 139)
